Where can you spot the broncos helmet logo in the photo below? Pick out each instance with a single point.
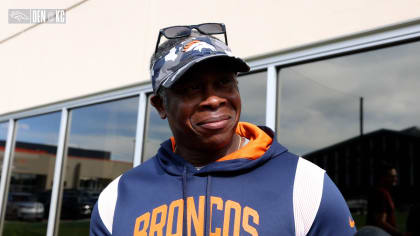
(198, 46)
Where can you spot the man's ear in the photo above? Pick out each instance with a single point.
(157, 102)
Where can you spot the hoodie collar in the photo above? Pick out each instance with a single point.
(255, 152)
(259, 143)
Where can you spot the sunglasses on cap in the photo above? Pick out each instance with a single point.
(181, 31)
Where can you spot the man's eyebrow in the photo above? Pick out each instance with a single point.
(185, 82)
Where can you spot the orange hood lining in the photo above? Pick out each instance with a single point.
(259, 143)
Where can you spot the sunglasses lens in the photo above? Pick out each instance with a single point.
(177, 31)
(211, 28)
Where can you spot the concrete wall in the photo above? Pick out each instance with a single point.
(106, 45)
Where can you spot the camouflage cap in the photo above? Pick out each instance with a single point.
(170, 67)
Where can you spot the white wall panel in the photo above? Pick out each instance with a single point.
(106, 45)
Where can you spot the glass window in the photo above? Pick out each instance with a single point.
(320, 119)
(100, 148)
(309, 109)
(3, 137)
(32, 175)
(156, 131)
(252, 88)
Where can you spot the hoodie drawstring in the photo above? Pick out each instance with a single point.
(207, 209)
(184, 192)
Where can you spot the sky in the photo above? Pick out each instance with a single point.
(3, 130)
(320, 100)
(39, 129)
(3, 134)
(108, 126)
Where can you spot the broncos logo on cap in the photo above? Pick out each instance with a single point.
(197, 45)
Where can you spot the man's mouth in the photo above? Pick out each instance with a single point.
(215, 123)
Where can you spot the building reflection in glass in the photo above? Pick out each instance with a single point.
(252, 88)
(319, 119)
(100, 148)
(156, 131)
(32, 174)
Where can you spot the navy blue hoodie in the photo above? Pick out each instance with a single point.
(262, 189)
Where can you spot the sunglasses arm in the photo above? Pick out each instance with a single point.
(158, 41)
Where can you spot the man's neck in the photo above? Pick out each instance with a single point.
(205, 157)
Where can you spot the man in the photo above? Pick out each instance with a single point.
(216, 175)
(381, 208)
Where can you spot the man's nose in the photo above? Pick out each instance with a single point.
(212, 99)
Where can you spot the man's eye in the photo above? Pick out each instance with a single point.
(225, 81)
(194, 87)
(188, 88)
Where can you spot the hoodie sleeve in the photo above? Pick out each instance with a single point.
(97, 227)
(333, 216)
(318, 206)
(102, 218)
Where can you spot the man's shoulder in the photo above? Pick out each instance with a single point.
(280, 155)
(319, 206)
(148, 167)
(107, 201)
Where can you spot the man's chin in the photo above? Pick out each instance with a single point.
(217, 141)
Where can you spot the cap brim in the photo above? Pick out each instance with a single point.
(234, 64)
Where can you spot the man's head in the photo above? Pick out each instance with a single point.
(387, 175)
(195, 86)
(176, 56)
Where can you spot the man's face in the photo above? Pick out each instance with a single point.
(203, 107)
(392, 178)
